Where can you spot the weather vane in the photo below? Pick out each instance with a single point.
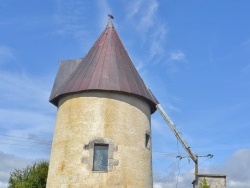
(110, 16)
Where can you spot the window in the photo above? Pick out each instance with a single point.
(147, 141)
(100, 162)
(98, 155)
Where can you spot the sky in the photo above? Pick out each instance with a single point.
(194, 55)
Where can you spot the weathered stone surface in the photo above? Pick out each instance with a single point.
(214, 180)
(120, 120)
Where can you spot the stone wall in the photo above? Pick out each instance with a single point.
(120, 120)
(214, 180)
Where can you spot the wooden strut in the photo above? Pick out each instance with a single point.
(172, 126)
(179, 137)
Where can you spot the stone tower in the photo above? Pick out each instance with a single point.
(102, 134)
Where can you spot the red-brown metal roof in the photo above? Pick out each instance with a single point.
(107, 67)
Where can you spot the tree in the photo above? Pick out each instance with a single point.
(204, 184)
(33, 176)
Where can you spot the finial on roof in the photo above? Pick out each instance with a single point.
(110, 24)
(110, 16)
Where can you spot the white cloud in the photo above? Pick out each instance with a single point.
(24, 91)
(173, 60)
(237, 168)
(134, 8)
(158, 40)
(26, 118)
(8, 163)
(144, 13)
(26, 112)
(238, 184)
(104, 10)
(149, 17)
(6, 54)
(26, 121)
(177, 56)
(3, 185)
(184, 180)
(144, 16)
(153, 33)
(71, 19)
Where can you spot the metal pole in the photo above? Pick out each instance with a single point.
(196, 171)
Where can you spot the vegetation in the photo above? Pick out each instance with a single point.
(33, 176)
(204, 184)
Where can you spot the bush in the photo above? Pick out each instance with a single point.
(33, 176)
(204, 184)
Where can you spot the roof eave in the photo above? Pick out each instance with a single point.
(152, 104)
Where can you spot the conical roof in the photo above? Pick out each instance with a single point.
(106, 67)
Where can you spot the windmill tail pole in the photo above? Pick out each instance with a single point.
(176, 133)
(178, 136)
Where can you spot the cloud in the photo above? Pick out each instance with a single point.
(152, 32)
(158, 40)
(134, 8)
(238, 184)
(237, 168)
(144, 13)
(8, 163)
(72, 21)
(103, 9)
(15, 86)
(173, 61)
(182, 180)
(26, 112)
(148, 19)
(6, 54)
(177, 56)
(26, 120)
(3, 185)
(26, 102)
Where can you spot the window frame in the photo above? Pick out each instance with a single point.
(95, 169)
(88, 154)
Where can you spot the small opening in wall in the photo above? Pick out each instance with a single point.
(148, 141)
(100, 162)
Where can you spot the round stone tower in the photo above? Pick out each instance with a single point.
(102, 136)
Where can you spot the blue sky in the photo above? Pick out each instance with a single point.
(194, 55)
